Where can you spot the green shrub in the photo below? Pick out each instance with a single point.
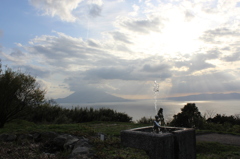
(145, 120)
(51, 112)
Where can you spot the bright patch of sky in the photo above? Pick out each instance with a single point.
(121, 47)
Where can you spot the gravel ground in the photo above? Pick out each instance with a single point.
(221, 138)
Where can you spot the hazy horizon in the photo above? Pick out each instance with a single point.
(141, 108)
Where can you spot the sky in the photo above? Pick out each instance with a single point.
(122, 47)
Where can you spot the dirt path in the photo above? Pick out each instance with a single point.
(221, 138)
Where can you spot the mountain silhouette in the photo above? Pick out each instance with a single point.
(216, 96)
(90, 96)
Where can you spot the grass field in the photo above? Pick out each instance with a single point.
(111, 148)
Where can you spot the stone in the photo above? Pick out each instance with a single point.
(36, 137)
(80, 150)
(53, 143)
(59, 141)
(22, 137)
(11, 138)
(3, 137)
(81, 143)
(8, 137)
(69, 144)
(48, 135)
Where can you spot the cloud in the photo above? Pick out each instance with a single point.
(127, 70)
(188, 15)
(63, 50)
(131, 45)
(198, 61)
(95, 10)
(151, 24)
(68, 11)
(156, 68)
(109, 73)
(1, 33)
(36, 71)
(215, 35)
(119, 36)
(17, 53)
(135, 10)
(233, 57)
(62, 8)
(92, 63)
(93, 43)
(205, 83)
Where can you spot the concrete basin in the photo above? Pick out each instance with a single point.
(172, 143)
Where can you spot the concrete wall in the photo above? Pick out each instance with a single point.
(178, 144)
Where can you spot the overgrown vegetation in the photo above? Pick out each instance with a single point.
(111, 148)
(51, 112)
(191, 117)
(17, 91)
(211, 150)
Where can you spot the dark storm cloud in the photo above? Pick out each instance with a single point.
(142, 25)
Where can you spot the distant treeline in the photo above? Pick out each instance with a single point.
(221, 119)
(51, 112)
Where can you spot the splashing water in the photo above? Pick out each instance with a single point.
(156, 91)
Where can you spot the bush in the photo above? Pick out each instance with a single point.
(145, 120)
(189, 117)
(51, 112)
(17, 92)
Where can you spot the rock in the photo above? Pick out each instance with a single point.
(53, 143)
(11, 138)
(3, 137)
(80, 150)
(30, 136)
(83, 142)
(59, 141)
(8, 137)
(48, 135)
(36, 137)
(23, 137)
(70, 143)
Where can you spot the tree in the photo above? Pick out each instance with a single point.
(189, 117)
(17, 92)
